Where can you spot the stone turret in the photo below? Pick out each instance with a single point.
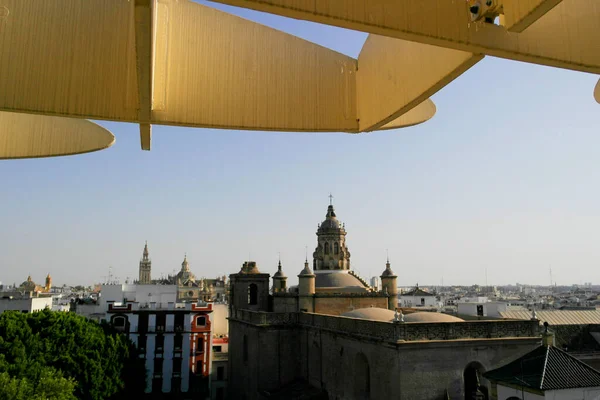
(48, 283)
(279, 280)
(306, 288)
(389, 285)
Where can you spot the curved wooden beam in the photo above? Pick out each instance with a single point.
(566, 36)
(32, 136)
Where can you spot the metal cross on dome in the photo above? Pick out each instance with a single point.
(177, 62)
(330, 199)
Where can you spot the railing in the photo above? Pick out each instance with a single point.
(394, 332)
(265, 318)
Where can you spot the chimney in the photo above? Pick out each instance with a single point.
(547, 336)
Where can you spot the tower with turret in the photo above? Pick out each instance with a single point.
(145, 267)
(389, 285)
(331, 252)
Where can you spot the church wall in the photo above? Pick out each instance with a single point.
(445, 363)
(338, 305)
(327, 352)
(285, 303)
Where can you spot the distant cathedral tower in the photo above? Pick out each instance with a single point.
(48, 283)
(145, 267)
(331, 252)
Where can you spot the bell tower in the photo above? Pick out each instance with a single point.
(331, 252)
(145, 267)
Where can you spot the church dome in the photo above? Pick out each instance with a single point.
(331, 221)
(339, 281)
(371, 313)
(425, 316)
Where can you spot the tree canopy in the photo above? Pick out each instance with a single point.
(63, 356)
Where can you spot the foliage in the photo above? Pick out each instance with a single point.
(57, 355)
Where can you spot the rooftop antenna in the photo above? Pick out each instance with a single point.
(486, 281)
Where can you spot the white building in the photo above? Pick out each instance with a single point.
(27, 302)
(477, 309)
(418, 298)
(175, 339)
(546, 373)
(376, 283)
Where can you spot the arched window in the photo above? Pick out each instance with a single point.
(245, 349)
(326, 248)
(119, 321)
(475, 388)
(336, 248)
(362, 378)
(252, 294)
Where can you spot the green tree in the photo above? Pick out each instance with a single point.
(72, 355)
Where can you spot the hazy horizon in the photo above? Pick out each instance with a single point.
(503, 179)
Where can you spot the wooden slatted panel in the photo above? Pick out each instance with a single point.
(446, 23)
(396, 75)
(68, 57)
(421, 113)
(28, 136)
(519, 14)
(226, 72)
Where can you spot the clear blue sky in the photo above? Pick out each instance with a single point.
(504, 178)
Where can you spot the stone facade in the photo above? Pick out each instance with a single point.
(345, 356)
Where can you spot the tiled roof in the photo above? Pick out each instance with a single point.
(417, 292)
(558, 317)
(546, 368)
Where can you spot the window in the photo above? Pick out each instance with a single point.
(161, 321)
(336, 248)
(175, 385)
(326, 248)
(160, 343)
(143, 323)
(220, 373)
(119, 322)
(176, 365)
(177, 341)
(198, 367)
(252, 294)
(480, 310)
(422, 301)
(217, 349)
(201, 321)
(178, 322)
(200, 345)
(158, 366)
(142, 339)
(157, 385)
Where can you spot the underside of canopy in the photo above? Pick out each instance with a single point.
(175, 62)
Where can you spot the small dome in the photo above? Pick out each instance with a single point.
(306, 271)
(425, 316)
(371, 313)
(331, 222)
(388, 273)
(279, 274)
